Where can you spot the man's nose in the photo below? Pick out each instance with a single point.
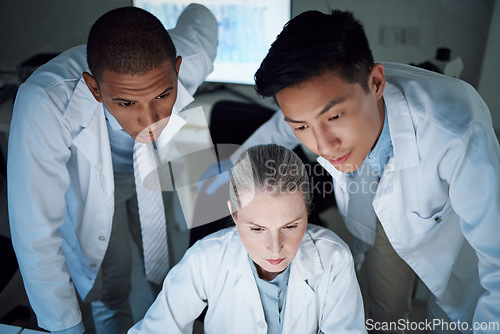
(148, 117)
(326, 141)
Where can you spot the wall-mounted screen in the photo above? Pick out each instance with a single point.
(246, 30)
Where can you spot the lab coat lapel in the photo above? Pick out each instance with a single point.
(401, 129)
(404, 142)
(340, 182)
(406, 157)
(93, 140)
(303, 267)
(183, 98)
(354, 193)
(247, 304)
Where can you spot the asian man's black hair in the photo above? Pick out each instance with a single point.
(128, 40)
(312, 43)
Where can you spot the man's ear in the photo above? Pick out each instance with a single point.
(377, 80)
(92, 85)
(178, 62)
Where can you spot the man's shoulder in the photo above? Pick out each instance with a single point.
(410, 79)
(195, 37)
(57, 80)
(437, 100)
(66, 67)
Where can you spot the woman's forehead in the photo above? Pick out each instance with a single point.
(265, 207)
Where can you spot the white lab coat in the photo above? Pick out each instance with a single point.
(323, 293)
(60, 175)
(439, 197)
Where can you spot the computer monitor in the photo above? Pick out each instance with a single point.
(246, 31)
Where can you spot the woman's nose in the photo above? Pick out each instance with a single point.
(276, 244)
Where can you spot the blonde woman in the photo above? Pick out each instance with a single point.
(272, 272)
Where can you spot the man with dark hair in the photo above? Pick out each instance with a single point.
(345, 51)
(128, 51)
(414, 160)
(74, 189)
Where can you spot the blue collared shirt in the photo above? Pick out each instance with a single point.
(122, 145)
(379, 156)
(273, 297)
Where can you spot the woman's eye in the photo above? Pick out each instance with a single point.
(256, 229)
(290, 227)
(125, 104)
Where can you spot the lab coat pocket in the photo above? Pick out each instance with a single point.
(426, 223)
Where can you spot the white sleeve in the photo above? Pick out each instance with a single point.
(37, 183)
(195, 37)
(274, 131)
(343, 311)
(472, 169)
(182, 298)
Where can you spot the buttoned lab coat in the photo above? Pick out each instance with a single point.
(438, 199)
(323, 293)
(60, 174)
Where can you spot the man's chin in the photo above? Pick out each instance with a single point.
(143, 140)
(147, 138)
(345, 167)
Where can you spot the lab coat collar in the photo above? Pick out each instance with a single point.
(183, 98)
(82, 98)
(93, 140)
(401, 129)
(304, 266)
(246, 291)
(307, 260)
(339, 177)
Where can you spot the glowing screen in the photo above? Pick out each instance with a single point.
(246, 30)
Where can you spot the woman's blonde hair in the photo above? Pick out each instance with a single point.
(268, 168)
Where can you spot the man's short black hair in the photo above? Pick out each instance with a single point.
(128, 40)
(312, 43)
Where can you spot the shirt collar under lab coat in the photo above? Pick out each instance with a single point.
(380, 154)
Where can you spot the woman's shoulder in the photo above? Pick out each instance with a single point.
(216, 246)
(325, 236)
(218, 238)
(328, 244)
